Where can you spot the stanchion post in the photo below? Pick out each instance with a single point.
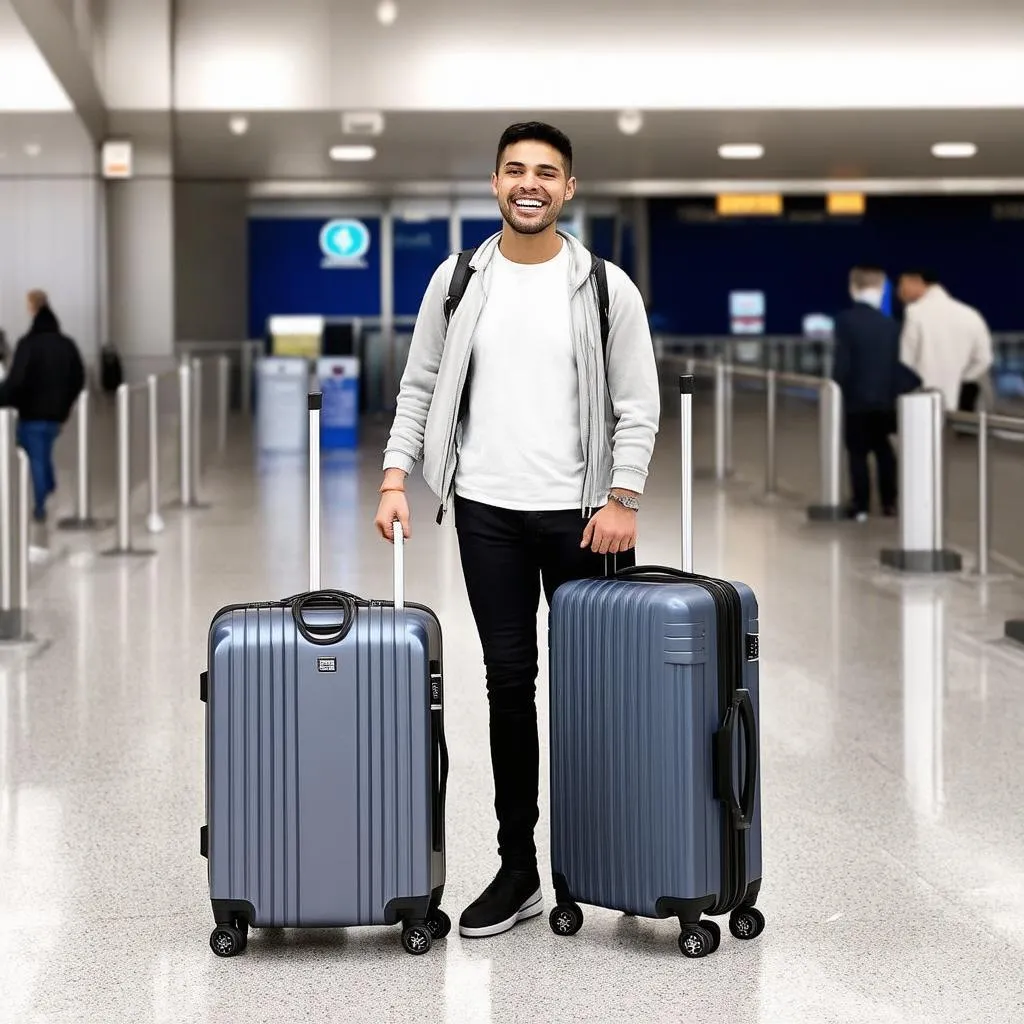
(984, 505)
(123, 525)
(245, 383)
(720, 419)
(83, 518)
(771, 406)
(154, 521)
(223, 400)
(730, 394)
(10, 614)
(185, 432)
(830, 442)
(921, 422)
(197, 425)
(24, 536)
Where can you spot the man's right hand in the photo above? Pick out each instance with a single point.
(393, 505)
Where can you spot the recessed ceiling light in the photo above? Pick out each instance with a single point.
(741, 151)
(239, 125)
(353, 152)
(33, 149)
(387, 12)
(954, 150)
(368, 122)
(630, 122)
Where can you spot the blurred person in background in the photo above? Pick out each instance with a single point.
(43, 384)
(945, 341)
(867, 368)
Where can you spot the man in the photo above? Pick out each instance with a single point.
(543, 441)
(867, 368)
(44, 382)
(946, 342)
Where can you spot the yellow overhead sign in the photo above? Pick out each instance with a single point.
(846, 203)
(740, 204)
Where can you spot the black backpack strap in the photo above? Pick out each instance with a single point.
(460, 278)
(600, 274)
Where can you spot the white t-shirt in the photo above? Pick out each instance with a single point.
(521, 444)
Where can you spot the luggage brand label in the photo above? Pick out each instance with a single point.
(752, 647)
(327, 664)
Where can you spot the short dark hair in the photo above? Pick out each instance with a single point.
(925, 273)
(536, 131)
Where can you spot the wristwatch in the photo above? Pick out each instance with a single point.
(626, 501)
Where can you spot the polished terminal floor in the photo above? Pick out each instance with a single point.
(893, 796)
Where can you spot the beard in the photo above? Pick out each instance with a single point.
(528, 226)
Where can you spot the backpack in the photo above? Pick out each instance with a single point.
(463, 272)
(111, 373)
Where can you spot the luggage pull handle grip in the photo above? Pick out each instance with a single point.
(740, 714)
(652, 570)
(324, 600)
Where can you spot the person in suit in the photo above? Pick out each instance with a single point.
(867, 368)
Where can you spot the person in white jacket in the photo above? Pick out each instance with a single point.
(533, 405)
(945, 341)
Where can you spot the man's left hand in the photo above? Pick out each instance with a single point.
(611, 530)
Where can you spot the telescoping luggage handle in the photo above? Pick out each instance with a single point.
(316, 400)
(686, 443)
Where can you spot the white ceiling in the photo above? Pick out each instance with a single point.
(674, 152)
(671, 146)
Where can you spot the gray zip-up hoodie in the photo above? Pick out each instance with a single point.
(619, 410)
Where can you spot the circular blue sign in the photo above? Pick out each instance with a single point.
(344, 241)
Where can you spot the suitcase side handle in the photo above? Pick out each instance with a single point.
(739, 716)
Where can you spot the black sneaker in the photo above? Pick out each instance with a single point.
(512, 896)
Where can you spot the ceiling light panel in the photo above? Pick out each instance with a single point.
(350, 153)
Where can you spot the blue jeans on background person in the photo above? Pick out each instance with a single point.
(37, 437)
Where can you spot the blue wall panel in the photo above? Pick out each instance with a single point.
(802, 264)
(286, 275)
(419, 248)
(476, 230)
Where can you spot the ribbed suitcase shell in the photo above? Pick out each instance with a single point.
(321, 784)
(634, 707)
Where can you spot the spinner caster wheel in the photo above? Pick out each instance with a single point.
(696, 942)
(712, 928)
(566, 919)
(439, 924)
(226, 940)
(416, 939)
(746, 923)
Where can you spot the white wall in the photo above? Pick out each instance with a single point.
(140, 232)
(49, 238)
(211, 261)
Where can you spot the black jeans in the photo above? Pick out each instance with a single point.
(506, 557)
(867, 433)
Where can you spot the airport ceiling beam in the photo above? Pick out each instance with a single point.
(56, 38)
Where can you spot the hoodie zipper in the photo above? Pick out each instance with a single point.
(448, 484)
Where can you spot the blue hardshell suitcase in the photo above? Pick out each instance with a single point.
(326, 763)
(655, 788)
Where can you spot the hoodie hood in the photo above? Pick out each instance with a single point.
(45, 322)
(579, 257)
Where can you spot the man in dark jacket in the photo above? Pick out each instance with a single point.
(44, 382)
(867, 367)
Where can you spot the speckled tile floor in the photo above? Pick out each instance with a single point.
(893, 797)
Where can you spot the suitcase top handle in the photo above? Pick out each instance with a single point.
(325, 600)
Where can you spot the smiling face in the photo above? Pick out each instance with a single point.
(531, 186)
